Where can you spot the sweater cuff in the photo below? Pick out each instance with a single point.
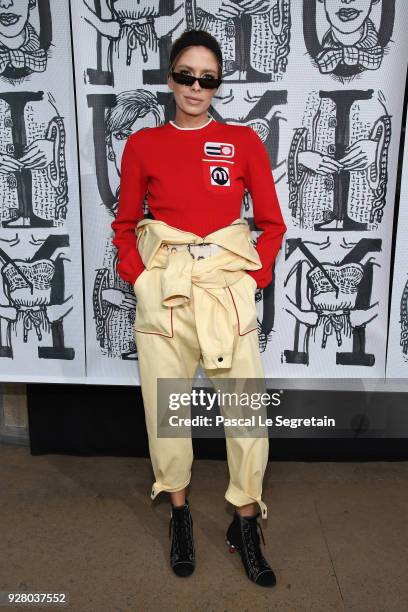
(130, 267)
(134, 279)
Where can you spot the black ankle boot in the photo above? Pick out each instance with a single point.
(242, 535)
(182, 553)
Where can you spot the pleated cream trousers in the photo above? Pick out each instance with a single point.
(192, 312)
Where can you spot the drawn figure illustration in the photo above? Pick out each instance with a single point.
(352, 44)
(254, 35)
(338, 161)
(32, 301)
(114, 301)
(332, 304)
(33, 176)
(23, 51)
(134, 31)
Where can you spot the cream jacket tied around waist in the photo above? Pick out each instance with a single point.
(220, 290)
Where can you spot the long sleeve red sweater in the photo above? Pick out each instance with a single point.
(195, 179)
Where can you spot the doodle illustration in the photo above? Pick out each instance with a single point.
(32, 302)
(352, 43)
(404, 322)
(114, 300)
(136, 33)
(33, 176)
(254, 35)
(338, 161)
(331, 302)
(23, 51)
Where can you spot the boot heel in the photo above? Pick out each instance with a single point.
(244, 532)
(231, 547)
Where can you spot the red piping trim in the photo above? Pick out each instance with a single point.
(157, 333)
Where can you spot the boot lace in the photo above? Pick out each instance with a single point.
(252, 550)
(182, 542)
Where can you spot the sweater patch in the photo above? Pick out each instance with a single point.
(218, 177)
(219, 149)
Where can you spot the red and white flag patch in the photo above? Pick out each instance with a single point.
(219, 149)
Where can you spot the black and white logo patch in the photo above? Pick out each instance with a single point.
(220, 175)
(219, 149)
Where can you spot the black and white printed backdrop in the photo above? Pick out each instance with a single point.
(397, 355)
(41, 305)
(321, 82)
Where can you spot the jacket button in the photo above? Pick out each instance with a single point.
(220, 359)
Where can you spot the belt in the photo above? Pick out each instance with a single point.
(197, 251)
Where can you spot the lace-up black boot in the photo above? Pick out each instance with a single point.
(242, 535)
(182, 553)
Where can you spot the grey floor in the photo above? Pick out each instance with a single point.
(336, 536)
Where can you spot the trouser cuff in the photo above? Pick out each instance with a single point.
(238, 498)
(159, 487)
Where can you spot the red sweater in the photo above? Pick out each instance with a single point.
(195, 178)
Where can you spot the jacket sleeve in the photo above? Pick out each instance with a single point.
(267, 213)
(133, 186)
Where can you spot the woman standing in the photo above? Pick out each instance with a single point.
(195, 271)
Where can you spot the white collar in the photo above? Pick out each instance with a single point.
(191, 128)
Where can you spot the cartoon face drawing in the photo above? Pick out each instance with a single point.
(347, 16)
(355, 40)
(14, 15)
(118, 139)
(134, 110)
(23, 49)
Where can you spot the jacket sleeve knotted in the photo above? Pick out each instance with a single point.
(133, 187)
(267, 212)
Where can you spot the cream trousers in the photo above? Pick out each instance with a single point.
(192, 312)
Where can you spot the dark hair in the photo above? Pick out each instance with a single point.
(195, 37)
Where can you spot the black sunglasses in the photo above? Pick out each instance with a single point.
(188, 79)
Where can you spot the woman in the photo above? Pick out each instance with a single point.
(195, 271)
